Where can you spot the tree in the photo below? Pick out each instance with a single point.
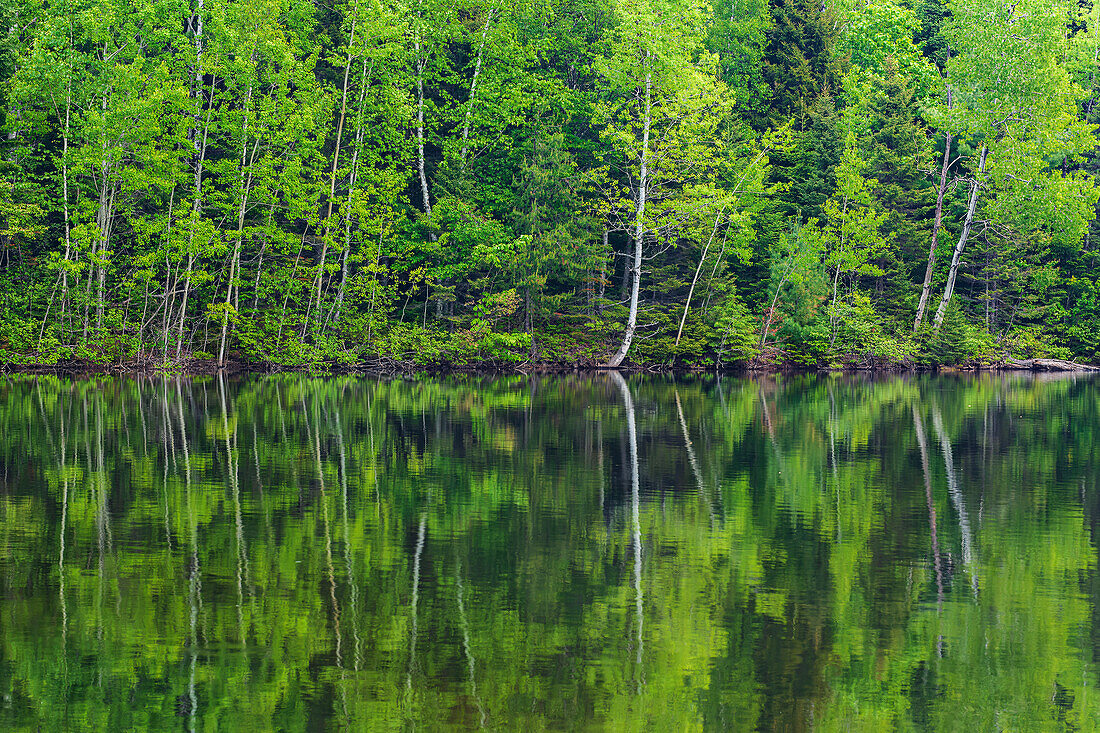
(851, 228)
(1013, 96)
(660, 116)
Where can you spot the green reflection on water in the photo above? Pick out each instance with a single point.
(591, 552)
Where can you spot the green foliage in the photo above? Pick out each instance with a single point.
(293, 553)
(860, 338)
(1029, 343)
(958, 342)
(303, 185)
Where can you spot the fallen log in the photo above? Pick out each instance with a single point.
(1048, 365)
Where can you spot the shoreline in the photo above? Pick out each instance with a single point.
(209, 367)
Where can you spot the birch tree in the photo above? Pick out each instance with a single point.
(1014, 100)
(659, 115)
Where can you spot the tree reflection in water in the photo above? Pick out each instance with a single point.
(533, 552)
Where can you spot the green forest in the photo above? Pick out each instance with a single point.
(448, 183)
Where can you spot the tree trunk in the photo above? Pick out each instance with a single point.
(420, 166)
(775, 299)
(949, 290)
(695, 278)
(473, 86)
(335, 162)
(352, 182)
(926, 289)
(234, 258)
(169, 284)
(639, 222)
(65, 197)
(103, 218)
(604, 253)
(198, 157)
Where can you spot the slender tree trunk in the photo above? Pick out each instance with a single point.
(949, 290)
(639, 220)
(926, 289)
(65, 195)
(695, 278)
(102, 215)
(352, 183)
(473, 86)
(196, 212)
(425, 196)
(234, 258)
(832, 309)
(198, 158)
(183, 302)
(335, 164)
(88, 295)
(104, 218)
(775, 299)
(170, 284)
(603, 270)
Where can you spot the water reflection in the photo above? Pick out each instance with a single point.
(777, 553)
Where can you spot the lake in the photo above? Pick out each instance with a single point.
(560, 552)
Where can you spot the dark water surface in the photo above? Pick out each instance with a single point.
(291, 553)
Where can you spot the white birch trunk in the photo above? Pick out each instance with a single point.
(335, 163)
(65, 197)
(949, 290)
(199, 153)
(639, 221)
(473, 86)
(234, 259)
(425, 197)
(695, 278)
(926, 288)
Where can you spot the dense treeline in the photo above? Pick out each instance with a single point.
(662, 182)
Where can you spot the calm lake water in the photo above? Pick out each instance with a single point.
(795, 553)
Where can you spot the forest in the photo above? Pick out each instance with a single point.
(452, 183)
